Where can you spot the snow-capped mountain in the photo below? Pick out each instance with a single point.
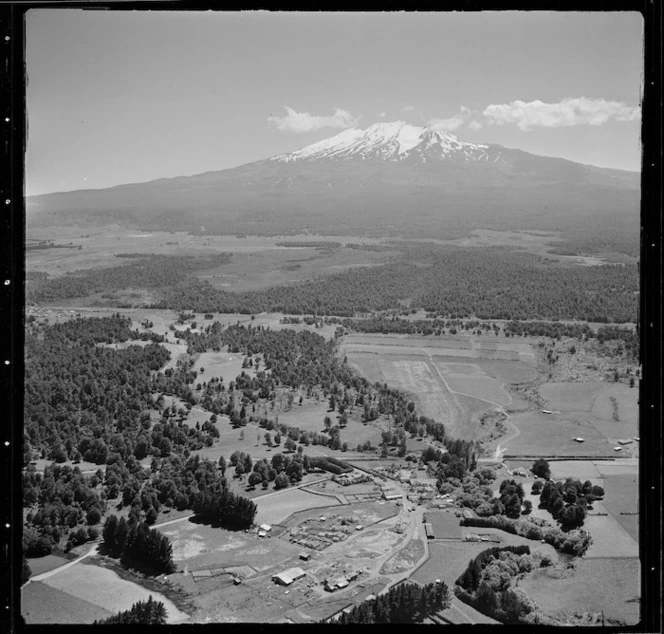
(389, 179)
(392, 141)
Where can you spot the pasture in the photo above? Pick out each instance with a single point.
(452, 378)
(445, 524)
(611, 586)
(621, 500)
(572, 397)
(42, 604)
(545, 435)
(276, 507)
(38, 565)
(610, 539)
(104, 588)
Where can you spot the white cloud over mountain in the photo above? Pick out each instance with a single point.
(305, 122)
(567, 112)
(451, 123)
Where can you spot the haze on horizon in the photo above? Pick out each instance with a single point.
(125, 97)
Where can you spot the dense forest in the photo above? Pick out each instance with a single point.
(463, 283)
(487, 583)
(495, 283)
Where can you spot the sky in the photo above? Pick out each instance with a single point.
(122, 97)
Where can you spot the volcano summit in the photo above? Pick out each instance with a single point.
(391, 179)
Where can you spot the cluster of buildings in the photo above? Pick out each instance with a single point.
(336, 583)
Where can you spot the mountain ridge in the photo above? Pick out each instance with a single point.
(391, 178)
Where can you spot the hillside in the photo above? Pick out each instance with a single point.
(390, 179)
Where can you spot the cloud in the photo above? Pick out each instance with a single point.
(382, 115)
(407, 108)
(475, 125)
(306, 122)
(567, 112)
(452, 123)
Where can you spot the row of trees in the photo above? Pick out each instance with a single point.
(404, 603)
(138, 545)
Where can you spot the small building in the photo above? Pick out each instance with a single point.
(265, 527)
(428, 529)
(547, 411)
(391, 494)
(617, 449)
(287, 577)
(305, 556)
(282, 579)
(579, 439)
(359, 527)
(467, 513)
(262, 534)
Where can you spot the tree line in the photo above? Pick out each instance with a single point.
(403, 603)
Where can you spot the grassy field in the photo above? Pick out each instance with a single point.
(223, 365)
(598, 585)
(621, 500)
(199, 546)
(610, 539)
(105, 589)
(42, 604)
(543, 434)
(277, 507)
(38, 565)
(444, 524)
(571, 397)
(481, 387)
(257, 262)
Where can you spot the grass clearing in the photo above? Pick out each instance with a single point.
(545, 435)
(276, 507)
(444, 524)
(484, 388)
(42, 604)
(598, 585)
(38, 565)
(610, 539)
(571, 397)
(621, 500)
(104, 588)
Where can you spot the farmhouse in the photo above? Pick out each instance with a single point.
(287, 577)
